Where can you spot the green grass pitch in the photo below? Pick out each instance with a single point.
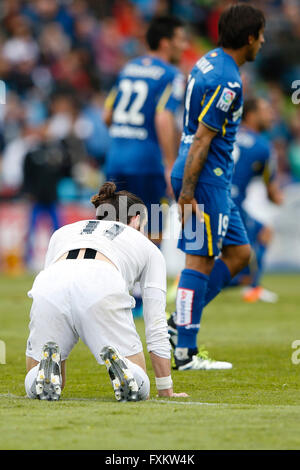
(256, 405)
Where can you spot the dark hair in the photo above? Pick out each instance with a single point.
(161, 27)
(250, 105)
(237, 23)
(117, 204)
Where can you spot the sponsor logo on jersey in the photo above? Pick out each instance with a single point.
(128, 132)
(213, 54)
(226, 99)
(218, 171)
(136, 70)
(184, 305)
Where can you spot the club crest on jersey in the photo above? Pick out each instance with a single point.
(226, 99)
(218, 171)
(184, 305)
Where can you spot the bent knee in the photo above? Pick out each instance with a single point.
(236, 257)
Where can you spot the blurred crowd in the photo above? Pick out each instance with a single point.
(59, 59)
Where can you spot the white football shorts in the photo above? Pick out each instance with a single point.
(85, 299)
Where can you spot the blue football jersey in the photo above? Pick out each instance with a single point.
(253, 156)
(214, 97)
(145, 86)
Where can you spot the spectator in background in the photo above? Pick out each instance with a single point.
(108, 54)
(55, 156)
(42, 12)
(21, 52)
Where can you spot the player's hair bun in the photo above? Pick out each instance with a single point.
(106, 192)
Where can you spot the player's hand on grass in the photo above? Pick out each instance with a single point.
(180, 395)
(169, 393)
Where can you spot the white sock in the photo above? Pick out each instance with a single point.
(141, 378)
(29, 380)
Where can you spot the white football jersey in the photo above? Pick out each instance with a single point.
(136, 257)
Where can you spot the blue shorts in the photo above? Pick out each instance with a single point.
(150, 188)
(222, 222)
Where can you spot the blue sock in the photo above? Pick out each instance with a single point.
(189, 304)
(219, 278)
(260, 250)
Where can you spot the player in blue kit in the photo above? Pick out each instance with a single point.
(202, 175)
(254, 157)
(140, 112)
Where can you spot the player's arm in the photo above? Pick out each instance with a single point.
(165, 123)
(108, 107)
(107, 116)
(153, 287)
(194, 163)
(274, 192)
(157, 339)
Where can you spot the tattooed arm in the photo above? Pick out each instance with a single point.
(195, 161)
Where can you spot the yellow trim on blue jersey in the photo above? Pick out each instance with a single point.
(164, 98)
(202, 102)
(109, 102)
(209, 234)
(224, 127)
(204, 111)
(209, 127)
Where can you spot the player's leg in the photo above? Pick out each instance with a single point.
(129, 380)
(199, 240)
(104, 321)
(46, 378)
(234, 257)
(53, 212)
(52, 335)
(263, 238)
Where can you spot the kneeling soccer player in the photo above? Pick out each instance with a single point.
(83, 292)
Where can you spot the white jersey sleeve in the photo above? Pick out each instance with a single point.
(153, 287)
(154, 273)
